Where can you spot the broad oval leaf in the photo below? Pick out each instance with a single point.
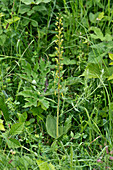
(51, 127)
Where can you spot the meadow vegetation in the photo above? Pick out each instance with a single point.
(56, 81)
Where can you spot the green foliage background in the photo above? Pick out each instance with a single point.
(29, 85)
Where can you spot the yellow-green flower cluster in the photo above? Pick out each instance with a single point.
(59, 49)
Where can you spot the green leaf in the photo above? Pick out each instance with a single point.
(36, 66)
(23, 9)
(34, 23)
(28, 2)
(77, 135)
(44, 104)
(28, 93)
(103, 45)
(51, 126)
(1, 125)
(94, 59)
(26, 68)
(108, 71)
(92, 17)
(111, 63)
(67, 125)
(110, 77)
(92, 71)
(29, 13)
(44, 165)
(108, 37)
(98, 32)
(4, 108)
(13, 143)
(99, 35)
(42, 65)
(31, 102)
(68, 61)
(111, 56)
(12, 20)
(36, 111)
(16, 128)
(101, 15)
(25, 77)
(71, 156)
(1, 31)
(2, 39)
(85, 22)
(39, 8)
(73, 80)
(1, 15)
(42, 1)
(51, 167)
(25, 21)
(22, 117)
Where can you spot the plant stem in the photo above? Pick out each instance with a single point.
(58, 105)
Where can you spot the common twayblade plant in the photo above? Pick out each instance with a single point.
(53, 126)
